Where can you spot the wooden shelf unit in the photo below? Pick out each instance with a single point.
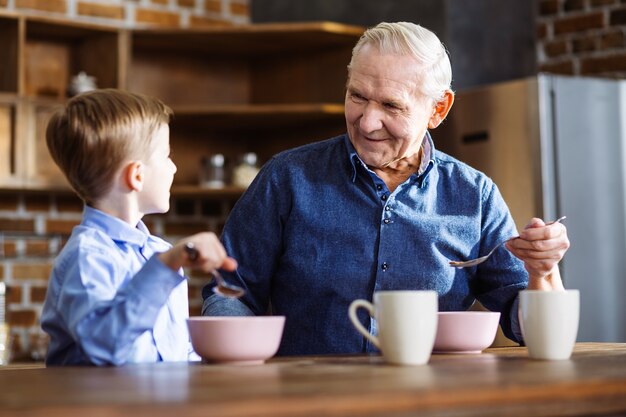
(252, 88)
(54, 52)
(9, 53)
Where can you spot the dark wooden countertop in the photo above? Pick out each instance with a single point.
(498, 382)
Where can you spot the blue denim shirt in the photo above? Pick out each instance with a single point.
(317, 229)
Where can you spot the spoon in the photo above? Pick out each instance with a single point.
(474, 262)
(223, 288)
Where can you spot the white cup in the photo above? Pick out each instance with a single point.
(549, 322)
(406, 321)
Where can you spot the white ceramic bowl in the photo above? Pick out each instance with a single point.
(242, 340)
(465, 331)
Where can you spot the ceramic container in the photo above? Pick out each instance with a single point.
(549, 321)
(406, 322)
(242, 340)
(465, 331)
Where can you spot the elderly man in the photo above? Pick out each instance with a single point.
(380, 209)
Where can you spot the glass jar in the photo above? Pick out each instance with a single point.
(213, 171)
(246, 170)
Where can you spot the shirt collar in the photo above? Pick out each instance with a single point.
(114, 227)
(427, 161)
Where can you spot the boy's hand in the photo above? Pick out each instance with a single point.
(210, 254)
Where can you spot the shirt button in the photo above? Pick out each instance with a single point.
(386, 221)
(387, 208)
(384, 266)
(383, 197)
(379, 187)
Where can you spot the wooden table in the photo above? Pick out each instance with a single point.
(498, 382)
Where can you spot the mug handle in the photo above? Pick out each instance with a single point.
(354, 306)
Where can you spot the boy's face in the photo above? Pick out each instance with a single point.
(158, 175)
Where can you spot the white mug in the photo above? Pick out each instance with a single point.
(407, 324)
(549, 322)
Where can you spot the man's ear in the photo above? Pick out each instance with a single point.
(134, 175)
(441, 109)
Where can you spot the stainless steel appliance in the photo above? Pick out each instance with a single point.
(556, 145)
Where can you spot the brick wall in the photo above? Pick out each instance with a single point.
(137, 13)
(582, 37)
(34, 227)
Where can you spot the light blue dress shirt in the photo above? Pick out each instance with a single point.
(317, 229)
(111, 301)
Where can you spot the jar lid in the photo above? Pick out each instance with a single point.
(249, 158)
(216, 160)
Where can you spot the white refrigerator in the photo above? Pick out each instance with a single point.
(555, 145)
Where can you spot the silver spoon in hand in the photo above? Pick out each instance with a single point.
(222, 288)
(474, 262)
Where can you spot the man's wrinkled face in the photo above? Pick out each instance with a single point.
(386, 113)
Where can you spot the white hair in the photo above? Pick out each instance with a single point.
(419, 42)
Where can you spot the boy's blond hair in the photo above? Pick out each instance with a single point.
(96, 132)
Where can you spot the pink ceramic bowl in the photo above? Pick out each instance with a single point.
(244, 340)
(465, 331)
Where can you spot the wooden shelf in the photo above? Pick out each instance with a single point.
(54, 51)
(8, 110)
(227, 192)
(36, 189)
(259, 88)
(8, 98)
(243, 65)
(9, 53)
(194, 191)
(269, 116)
(254, 40)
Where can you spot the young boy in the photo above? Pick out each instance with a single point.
(116, 293)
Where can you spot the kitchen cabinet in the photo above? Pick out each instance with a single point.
(251, 88)
(40, 57)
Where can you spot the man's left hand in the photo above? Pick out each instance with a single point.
(541, 247)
